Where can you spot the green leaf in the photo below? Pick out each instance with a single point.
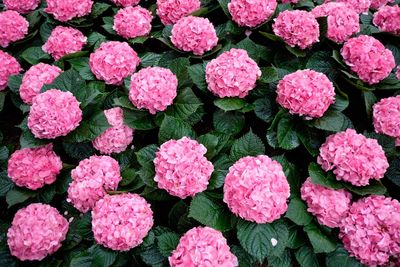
(269, 75)
(229, 104)
(102, 257)
(284, 260)
(321, 61)
(320, 242)
(150, 59)
(254, 50)
(81, 260)
(18, 195)
(340, 257)
(5, 184)
(27, 140)
(297, 52)
(185, 104)
(286, 134)
(228, 122)
(310, 140)
(306, 257)
(167, 242)
(244, 258)
(341, 102)
(198, 76)
(247, 145)
(173, 128)
(98, 9)
(146, 155)
(297, 212)
(210, 212)
(210, 141)
(89, 129)
(393, 173)
(224, 5)
(332, 121)
(152, 257)
(14, 82)
(374, 188)
(81, 64)
(78, 151)
(221, 166)
(265, 108)
(95, 39)
(108, 25)
(34, 55)
(319, 176)
(179, 66)
(138, 119)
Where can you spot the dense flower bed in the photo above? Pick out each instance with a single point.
(200, 133)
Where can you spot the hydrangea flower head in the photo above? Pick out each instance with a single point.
(8, 66)
(131, 22)
(65, 10)
(386, 116)
(21, 6)
(13, 27)
(170, 11)
(387, 19)
(251, 13)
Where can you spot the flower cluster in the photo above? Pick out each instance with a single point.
(120, 222)
(387, 19)
(306, 93)
(371, 231)
(90, 180)
(353, 157)
(117, 138)
(36, 231)
(386, 116)
(170, 11)
(66, 10)
(343, 22)
(202, 246)
(153, 88)
(376, 4)
(34, 79)
(194, 34)
(13, 27)
(21, 6)
(360, 6)
(251, 13)
(328, 205)
(54, 113)
(125, 3)
(8, 66)
(367, 57)
(34, 167)
(113, 61)
(233, 73)
(181, 167)
(64, 41)
(297, 28)
(131, 22)
(256, 189)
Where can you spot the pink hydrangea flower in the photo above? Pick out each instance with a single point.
(65, 10)
(36, 231)
(54, 113)
(360, 6)
(153, 88)
(306, 93)
(8, 66)
(328, 205)
(251, 13)
(113, 61)
(194, 34)
(371, 231)
(34, 167)
(181, 167)
(13, 27)
(297, 28)
(256, 189)
(233, 73)
(34, 79)
(386, 116)
(21, 6)
(64, 41)
(387, 19)
(368, 57)
(117, 138)
(170, 11)
(353, 157)
(289, 1)
(125, 3)
(91, 179)
(120, 222)
(343, 22)
(202, 246)
(376, 4)
(131, 22)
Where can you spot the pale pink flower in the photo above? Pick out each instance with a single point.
(113, 61)
(13, 27)
(64, 41)
(376, 4)
(8, 66)
(202, 246)
(256, 189)
(360, 6)
(131, 22)
(33, 168)
(387, 19)
(306, 93)
(251, 13)
(120, 222)
(297, 28)
(368, 57)
(117, 138)
(353, 157)
(386, 116)
(54, 113)
(36, 232)
(153, 88)
(125, 3)
(371, 231)
(233, 73)
(170, 11)
(328, 205)
(34, 79)
(65, 10)
(194, 34)
(21, 6)
(181, 167)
